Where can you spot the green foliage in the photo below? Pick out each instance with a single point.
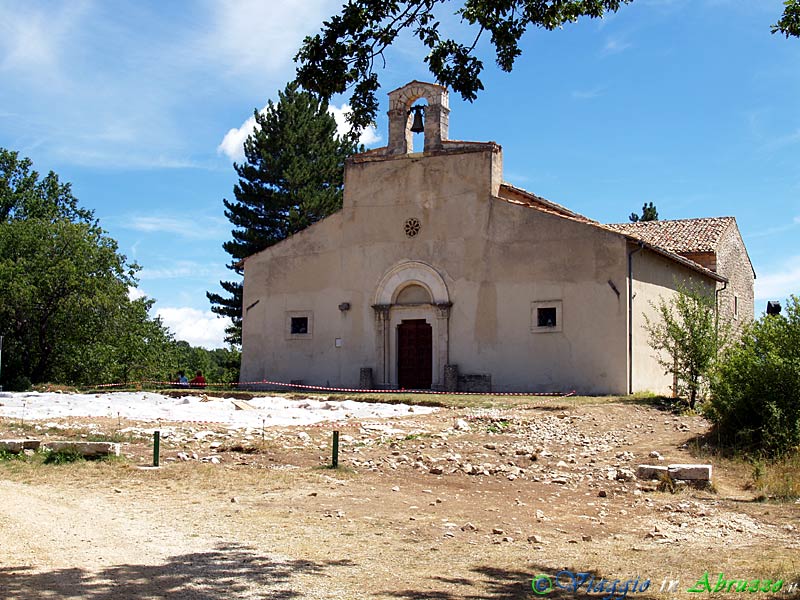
(292, 177)
(64, 312)
(687, 336)
(220, 365)
(754, 394)
(649, 213)
(24, 196)
(62, 457)
(498, 426)
(19, 383)
(5, 456)
(342, 56)
(789, 24)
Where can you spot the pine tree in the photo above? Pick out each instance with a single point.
(649, 213)
(292, 176)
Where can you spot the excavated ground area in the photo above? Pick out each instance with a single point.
(459, 503)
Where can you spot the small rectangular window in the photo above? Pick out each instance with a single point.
(546, 317)
(299, 325)
(735, 306)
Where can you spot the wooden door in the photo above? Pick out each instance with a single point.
(414, 355)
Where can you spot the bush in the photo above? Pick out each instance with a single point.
(686, 336)
(755, 393)
(62, 457)
(19, 383)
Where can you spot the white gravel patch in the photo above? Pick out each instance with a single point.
(147, 406)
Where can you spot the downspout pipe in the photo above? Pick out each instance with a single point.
(716, 306)
(630, 315)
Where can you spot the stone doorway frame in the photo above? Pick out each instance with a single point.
(389, 315)
(418, 372)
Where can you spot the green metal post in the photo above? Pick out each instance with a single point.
(335, 459)
(1, 360)
(156, 447)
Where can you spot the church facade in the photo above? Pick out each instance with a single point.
(438, 275)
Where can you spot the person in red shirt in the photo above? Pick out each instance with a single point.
(198, 380)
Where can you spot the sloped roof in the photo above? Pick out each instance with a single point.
(519, 196)
(679, 236)
(516, 195)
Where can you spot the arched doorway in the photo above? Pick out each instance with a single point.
(414, 355)
(412, 319)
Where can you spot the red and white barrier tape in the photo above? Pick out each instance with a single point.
(323, 388)
(357, 390)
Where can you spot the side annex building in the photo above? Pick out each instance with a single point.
(436, 274)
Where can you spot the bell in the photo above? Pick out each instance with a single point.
(417, 126)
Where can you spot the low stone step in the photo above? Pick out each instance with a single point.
(682, 472)
(651, 472)
(17, 446)
(689, 472)
(87, 449)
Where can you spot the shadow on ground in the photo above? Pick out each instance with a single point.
(229, 571)
(489, 583)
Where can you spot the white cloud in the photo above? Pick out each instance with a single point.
(180, 269)
(135, 293)
(232, 145)
(105, 84)
(779, 142)
(369, 137)
(253, 38)
(775, 230)
(198, 327)
(590, 94)
(615, 45)
(779, 283)
(32, 39)
(196, 227)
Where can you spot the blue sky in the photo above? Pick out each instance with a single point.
(690, 104)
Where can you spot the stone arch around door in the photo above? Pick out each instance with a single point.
(412, 292)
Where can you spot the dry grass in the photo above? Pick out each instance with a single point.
(276, 494)
(779, 479)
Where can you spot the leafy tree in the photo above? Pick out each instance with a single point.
(649, 213)
(61, 281)
(687, 336)
(754, 393)
(24, 196)
(64, 308)
(292, 177)
(789, 23)
(133, 346)
(342, 56)
(220, 365)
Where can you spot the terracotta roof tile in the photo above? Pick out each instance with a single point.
(679, 236)
(511, 193)
(708, 233)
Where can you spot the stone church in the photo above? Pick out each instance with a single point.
(436, 274)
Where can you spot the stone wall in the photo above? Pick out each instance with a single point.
(736, 300)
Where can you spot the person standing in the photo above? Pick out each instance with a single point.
(198, 380)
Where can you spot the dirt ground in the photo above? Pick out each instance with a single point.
(462, 503)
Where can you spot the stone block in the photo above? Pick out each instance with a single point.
(475, 383)
(18, 446)
(365, 379)
(451, 378)
(87, 449)
(651, 471)
(690, 472)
